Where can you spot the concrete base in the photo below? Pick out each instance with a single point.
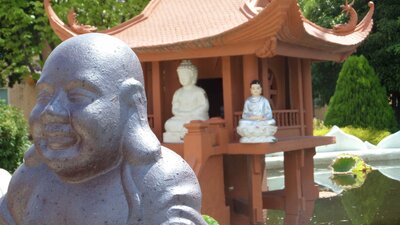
(173, 137)
(257, 139)
(256, 132)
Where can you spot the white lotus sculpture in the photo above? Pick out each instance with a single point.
(5, 178)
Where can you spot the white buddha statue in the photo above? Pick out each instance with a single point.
(257, 124)
(189, 103)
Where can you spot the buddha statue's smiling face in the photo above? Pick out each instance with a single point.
(76, 124)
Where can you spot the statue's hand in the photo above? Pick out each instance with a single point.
(257, 118)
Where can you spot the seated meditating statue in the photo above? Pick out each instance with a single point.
(188, 103)
(257, 124)
(94, 159)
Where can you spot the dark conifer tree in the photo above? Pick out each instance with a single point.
(359, 99)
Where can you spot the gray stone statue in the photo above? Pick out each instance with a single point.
(94, 159)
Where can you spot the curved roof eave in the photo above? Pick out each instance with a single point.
(281, 19)
(64, 32)
(298, 30)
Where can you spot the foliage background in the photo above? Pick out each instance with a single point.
(25, 31)
(14, 137)
(381, 48)
(24, 34)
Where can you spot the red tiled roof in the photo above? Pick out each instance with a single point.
(182, 25)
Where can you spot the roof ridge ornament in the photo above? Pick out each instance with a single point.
(76, 27)
(351, 24)
(251, 8)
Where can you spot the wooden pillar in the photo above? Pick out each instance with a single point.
(310, 190)
(255, 164)
(294, 201)
(256, 167)
(265, 81)
(296, 89)
(157, 89)
(300, 95)
(197, 151)
(227, 80)
(307, 96)
(250, 73)
(300, 190)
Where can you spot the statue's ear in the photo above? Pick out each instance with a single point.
(139, 143)
(133, 95)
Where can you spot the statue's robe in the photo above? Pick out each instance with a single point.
(162, 192)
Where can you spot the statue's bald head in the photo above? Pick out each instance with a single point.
(103, 53)
(93, 85)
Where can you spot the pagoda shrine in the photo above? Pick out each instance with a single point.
(233, 42)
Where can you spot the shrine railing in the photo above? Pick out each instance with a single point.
(286, 118)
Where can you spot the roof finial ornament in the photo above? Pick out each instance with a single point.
(352, 23)
(76, 27)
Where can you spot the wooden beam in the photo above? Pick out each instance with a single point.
(255, 169)
(300, 90)
(145, 55)
(250, 73)
(293, 192)
(227, 81)
(157, 89)
(284, 145)
(292, 50)
(265, 81)
(307, 96)
(274, 199)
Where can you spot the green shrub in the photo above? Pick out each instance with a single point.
(373, 136)
(319, 128)
(359, 99)
(210, 220)
(13, 137)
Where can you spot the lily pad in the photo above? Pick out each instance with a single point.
(343, 165)
(349, 171)
(349, 163)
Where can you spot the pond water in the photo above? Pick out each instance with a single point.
(375, 202)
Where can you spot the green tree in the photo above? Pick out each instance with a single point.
(13, 137)
(382, 48)
(24, 30)
(325, 75)
(327, 13)
(102, 14)
(322, 12)
(359, 99)
(19, 39)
